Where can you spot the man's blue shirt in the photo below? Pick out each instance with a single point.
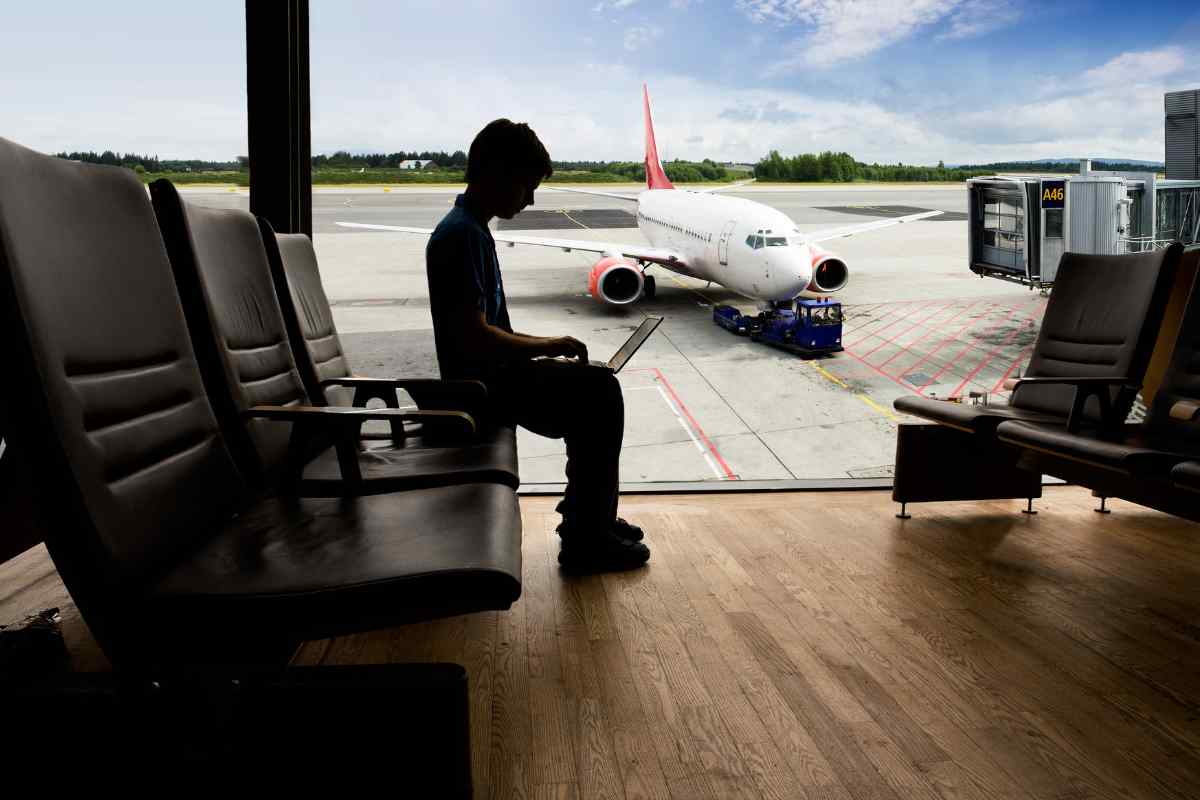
(462, 267)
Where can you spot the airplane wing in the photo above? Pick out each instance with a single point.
(727, 187)
(638, 252)
(851, 230)
(596, 192)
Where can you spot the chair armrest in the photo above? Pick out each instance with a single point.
(344, 426)
(1013, 383)
(1085, 387)
(469, 396)
(344, 418)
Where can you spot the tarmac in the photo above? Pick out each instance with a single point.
(701, 403)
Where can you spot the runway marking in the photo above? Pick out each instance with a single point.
(961, 311)
(992, 354)
(870, 403)
(969, 346)
(709, 450)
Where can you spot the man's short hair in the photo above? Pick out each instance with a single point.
(507, 144)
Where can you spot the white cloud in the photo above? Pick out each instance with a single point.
(844, 30)
(639, 36)
(1137, 67)
(605, 5)
(977, 17)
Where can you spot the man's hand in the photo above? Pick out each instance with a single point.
(565, 346)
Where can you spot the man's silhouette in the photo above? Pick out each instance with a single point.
(565, 399)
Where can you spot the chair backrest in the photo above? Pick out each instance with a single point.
(1180, 389)
(106, 405)
(1101, 321)
(241, 342)
(307, 314)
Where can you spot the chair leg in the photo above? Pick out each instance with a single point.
(1029, 509)
(1102, 509)
(903, 514)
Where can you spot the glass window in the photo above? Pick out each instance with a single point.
(776, 241)
(1054, 223)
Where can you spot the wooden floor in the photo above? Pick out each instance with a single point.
(812, 646)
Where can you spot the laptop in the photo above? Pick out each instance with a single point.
(626, 350)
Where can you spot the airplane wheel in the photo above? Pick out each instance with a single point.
(649, 288)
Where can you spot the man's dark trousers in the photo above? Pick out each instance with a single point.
(584, 406)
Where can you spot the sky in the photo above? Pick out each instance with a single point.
(912, 81)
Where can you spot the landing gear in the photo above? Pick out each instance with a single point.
(649, 288)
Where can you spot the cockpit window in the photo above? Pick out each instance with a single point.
(754, 242)
(776, 241)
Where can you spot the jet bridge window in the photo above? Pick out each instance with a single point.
(1003, 220)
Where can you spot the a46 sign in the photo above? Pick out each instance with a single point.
(1054, 194)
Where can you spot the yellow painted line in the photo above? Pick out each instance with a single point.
(885, 412)
(830, 375)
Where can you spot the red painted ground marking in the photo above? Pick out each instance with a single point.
(893, 339)
(913, 343)
(986, 359)
(712, 448)
(877, 371)
(969, 346)
(1015, 364)
(879, 330)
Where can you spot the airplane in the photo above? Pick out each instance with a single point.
(747, 247)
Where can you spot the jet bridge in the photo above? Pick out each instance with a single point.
(1020, 225)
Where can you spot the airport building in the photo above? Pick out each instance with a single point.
(1020, 225)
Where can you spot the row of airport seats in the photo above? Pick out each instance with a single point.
(1067, 416)
(191, 432)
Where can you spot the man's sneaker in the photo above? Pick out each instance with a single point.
(627, 530)
(583, 553)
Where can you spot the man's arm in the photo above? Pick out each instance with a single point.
(474, 339)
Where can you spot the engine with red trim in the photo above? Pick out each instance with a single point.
(615, 281)
(829, 274)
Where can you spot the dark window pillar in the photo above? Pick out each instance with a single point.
(277, 91)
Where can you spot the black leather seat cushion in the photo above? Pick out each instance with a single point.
(490, 457)
(1187, 475)
(967, 416)
(1137, 451)
(319, 567)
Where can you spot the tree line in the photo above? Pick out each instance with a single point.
(842, 167)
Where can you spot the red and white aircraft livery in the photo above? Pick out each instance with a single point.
(742, 245)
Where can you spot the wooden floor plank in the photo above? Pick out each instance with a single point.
(811, 646)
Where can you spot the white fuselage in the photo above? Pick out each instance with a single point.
(715, 235)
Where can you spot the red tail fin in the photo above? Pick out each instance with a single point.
(655, 177)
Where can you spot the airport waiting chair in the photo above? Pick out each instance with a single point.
(168, 555)
(1144, 462)
(1086, 369)
(325, 370)
(1187, 475)
(1099, 331)
(277, 435)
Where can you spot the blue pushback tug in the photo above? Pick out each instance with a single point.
(808, 328)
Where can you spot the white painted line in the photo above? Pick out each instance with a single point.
(691, 435)
(670, 403)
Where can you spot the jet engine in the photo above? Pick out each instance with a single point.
(830, 273)
(615, 281)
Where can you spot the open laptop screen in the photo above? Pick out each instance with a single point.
(632, 344)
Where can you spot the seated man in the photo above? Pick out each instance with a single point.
(563, 398)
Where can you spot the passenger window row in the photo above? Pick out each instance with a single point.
(679, 228)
